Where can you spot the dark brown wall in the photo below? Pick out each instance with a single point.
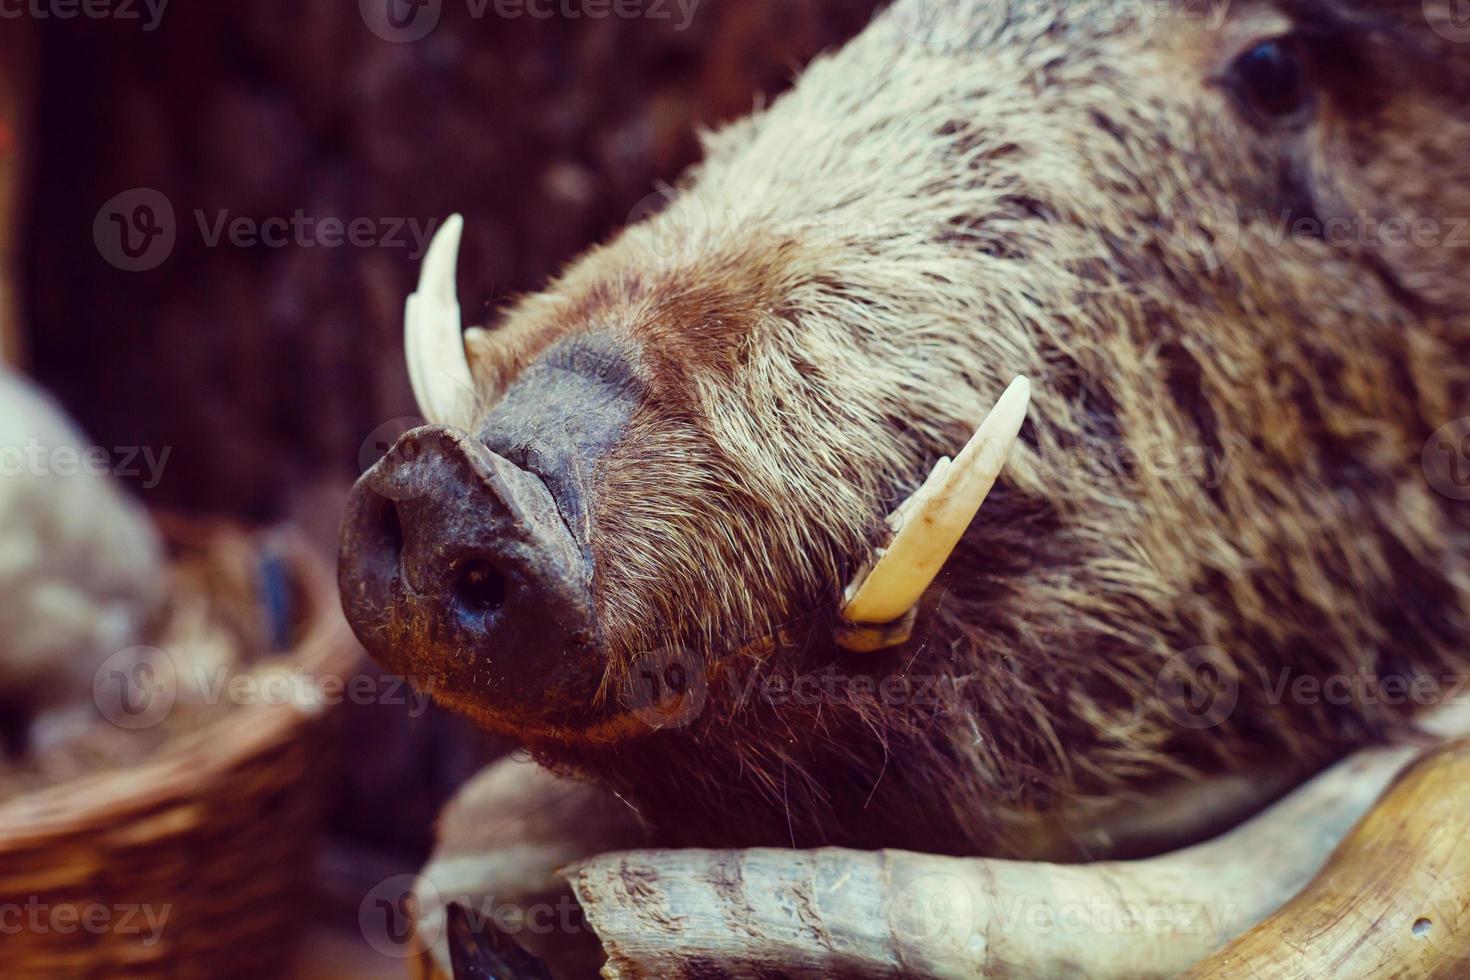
(265, 368)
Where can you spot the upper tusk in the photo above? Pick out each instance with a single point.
(433, 337)
(929, 524)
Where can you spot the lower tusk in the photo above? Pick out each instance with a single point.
(928, 526)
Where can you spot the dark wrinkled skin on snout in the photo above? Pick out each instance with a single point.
(465, 559)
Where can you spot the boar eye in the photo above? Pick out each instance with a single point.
(1270, 80)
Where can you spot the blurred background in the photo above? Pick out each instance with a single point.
(210, 216)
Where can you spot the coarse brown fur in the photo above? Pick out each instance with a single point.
(1222, 465)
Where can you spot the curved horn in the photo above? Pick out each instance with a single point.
(929, 524)
(433, 338)
(864, 912)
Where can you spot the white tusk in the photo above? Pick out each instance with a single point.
(433, 338)
(929, 524)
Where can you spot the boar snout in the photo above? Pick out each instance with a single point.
(457, 570)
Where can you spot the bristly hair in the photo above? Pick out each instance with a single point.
(1222, 468)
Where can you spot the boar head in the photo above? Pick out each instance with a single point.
(1227, 246)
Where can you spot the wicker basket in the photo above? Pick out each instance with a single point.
(214, 837)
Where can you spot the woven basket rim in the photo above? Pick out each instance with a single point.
(191, 768)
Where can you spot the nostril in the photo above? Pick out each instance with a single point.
(370, 562)
(479, 587)
(390, 530)
(458, 569)
(382, 536)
